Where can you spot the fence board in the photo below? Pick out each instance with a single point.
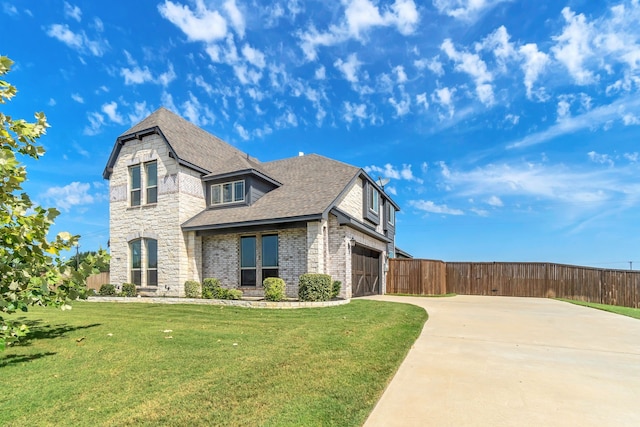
(543, 280)
(96, 280)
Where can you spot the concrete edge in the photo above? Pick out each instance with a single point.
(281, 305)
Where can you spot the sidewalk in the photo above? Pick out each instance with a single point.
(502, 361)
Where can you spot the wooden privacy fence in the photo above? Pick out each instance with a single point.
(96, 280)
(545, 280)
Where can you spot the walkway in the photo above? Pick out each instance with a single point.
(502, 361)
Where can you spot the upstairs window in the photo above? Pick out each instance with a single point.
(151, 171)
(150, 191)
(228, 192)
(374, 199)
(391, 214)
(134, 179)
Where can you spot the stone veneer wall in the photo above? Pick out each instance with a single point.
(160, 221)
(221, 257)
(352, 202)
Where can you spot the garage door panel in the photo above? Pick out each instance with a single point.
(365, 271)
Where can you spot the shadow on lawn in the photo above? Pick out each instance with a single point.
(38, 330)
(14, 359)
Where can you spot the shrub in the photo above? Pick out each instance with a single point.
(315, 287)
(335, 288)
(211, 288)
(274, 288)
(129, 290)
(192, 289)
(231, 294)
(107, 290)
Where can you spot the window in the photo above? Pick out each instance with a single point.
(269, 256)
(134, 173)
(248, 276)
(152, 262)
(151, 171)
(150, 180)
(373, 199)
(135, 248)
(144, 249)
(391, 214)
(228, 192)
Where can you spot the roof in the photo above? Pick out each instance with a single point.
(193, 146)
(310, 186)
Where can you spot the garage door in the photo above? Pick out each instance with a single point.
(365, 272)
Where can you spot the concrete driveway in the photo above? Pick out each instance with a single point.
(502, 361)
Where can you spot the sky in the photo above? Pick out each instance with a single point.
(508, 129)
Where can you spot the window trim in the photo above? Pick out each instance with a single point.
(234, 196)
(373, 194)
(150, 187)
(143, 188)
(391, 214)
(140, 276)
(270, 268)
(254, 267)
(135, 272)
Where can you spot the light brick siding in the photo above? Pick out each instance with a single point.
(221, 257)
(160, 221)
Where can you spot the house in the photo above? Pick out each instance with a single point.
(185, 205)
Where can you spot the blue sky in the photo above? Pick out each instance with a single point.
(508, 129)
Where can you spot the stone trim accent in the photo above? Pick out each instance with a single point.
(281, 305)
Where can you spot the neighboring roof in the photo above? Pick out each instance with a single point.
(193, 146)
(402, 254)
(311, 184)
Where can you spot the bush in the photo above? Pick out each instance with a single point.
(107, 290)
(211, 288)
(192, 289)
(225, 293)
(129, 290)
(315, 287)
(274, 289)
(335, 288)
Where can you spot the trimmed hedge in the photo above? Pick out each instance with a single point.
(335, 289)
(211, 288)
(315, 287)
(107, 290)
(274, 289)
(129, 290)
(192, 289)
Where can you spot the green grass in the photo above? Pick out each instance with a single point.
(625, 311)
(118, 364)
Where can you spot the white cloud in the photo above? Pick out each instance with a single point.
(349, 68)
(52, 102)
(498, 43)
(403, 106)
(96, 120)
(254, 56)
(360, 17)
(74, 194)
(632, 157)
(353, 111)
(573, 46)
(136, 75)
(200, 24)
(430, 207)
(244, 134)
(495, 201)
(401, 76)
(77, 41)
(466, 10)
(235, 16)
(533, 65)
(72, 12)
(167, 77)
(140, 111)
(196, 113)
(111, 111)
(600, 158)
(391, 172)
(9, 9)
(78, 98)
(321, 73)
(444, 98)
(471, 64)
(421, 99)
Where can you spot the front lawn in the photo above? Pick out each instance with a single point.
(153, 364)
(625, 311)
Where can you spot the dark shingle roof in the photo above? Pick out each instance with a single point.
(310, 185)
(195, 145)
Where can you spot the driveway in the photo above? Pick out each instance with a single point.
(502, 361)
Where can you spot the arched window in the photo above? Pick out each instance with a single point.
(144, 259)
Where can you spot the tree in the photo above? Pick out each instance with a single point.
(32, 271)
(77, 259)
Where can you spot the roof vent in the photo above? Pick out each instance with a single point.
(300, 154)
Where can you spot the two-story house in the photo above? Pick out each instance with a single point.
(185, 205)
